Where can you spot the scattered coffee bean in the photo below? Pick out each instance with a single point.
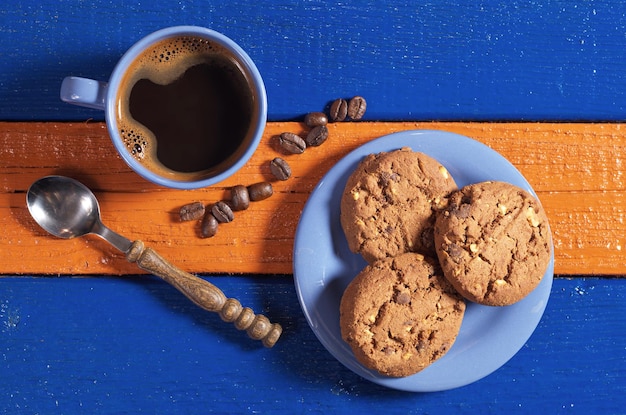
(208, 227)
(356, 107)
(292, 143)
(317, 136)
(338, 110)
(222, 212)
(314, 119)
(191, 211)
(239, 198)
(280, 169)
(260, 191)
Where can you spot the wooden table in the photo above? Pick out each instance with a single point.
(82, 330)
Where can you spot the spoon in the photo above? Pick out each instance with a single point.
(66, 208)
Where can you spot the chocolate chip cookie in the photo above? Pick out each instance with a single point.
(400, 314)
(388, 204)
(493, 242)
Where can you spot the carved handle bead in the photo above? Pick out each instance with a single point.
(257, 326)
(206, 295)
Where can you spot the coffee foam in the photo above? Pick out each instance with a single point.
(162, 63)
(166, 60)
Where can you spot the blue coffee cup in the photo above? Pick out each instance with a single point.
(106, 96)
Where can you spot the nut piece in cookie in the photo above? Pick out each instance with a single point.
(400, 314)
(493, 242)
(389, 201)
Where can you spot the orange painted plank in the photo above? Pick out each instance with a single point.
(576, 169)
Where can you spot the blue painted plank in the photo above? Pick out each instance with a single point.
(488, 60)
(116, 345)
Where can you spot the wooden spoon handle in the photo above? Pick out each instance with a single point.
(205, 295)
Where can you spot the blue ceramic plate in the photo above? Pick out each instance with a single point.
(323, 267)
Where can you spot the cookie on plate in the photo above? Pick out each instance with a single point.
(400, 314)
(388, 203)
(493, 242)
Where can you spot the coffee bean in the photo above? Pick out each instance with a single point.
(239, 198)
(356, 107)
(338, 110)
(280, 169)
(313, 119)
(191, 211)
(317, 136)
(292, 143)
(208, 227)
(222, 212)
(260, 191)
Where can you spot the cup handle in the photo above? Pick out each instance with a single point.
(84, 92)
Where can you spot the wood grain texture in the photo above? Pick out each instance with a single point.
(436, 60)
(135, 345)
(575, 168)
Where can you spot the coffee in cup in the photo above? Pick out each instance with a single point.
(185, 107)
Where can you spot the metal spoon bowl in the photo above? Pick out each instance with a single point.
(66, 208)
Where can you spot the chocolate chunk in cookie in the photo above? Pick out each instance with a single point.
(493, 242)
(400, 314)
(389, 201)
